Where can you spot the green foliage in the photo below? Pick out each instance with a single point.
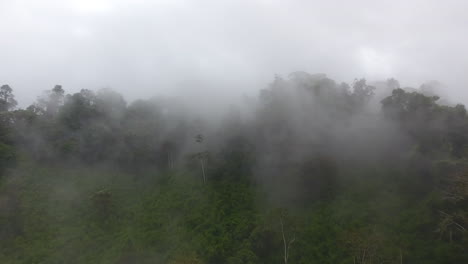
(7, 99)
(7, 156)
(435, 128)
(88, 179)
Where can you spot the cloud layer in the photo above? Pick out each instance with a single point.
(224, 48)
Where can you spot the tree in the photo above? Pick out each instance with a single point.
(419, 116)
(7, 99)
(362, 92)
(433, 127)
(7, 150)
(393, 84)
(51, 101)
(453, 222)
(366, 245)
(78, 109)
(288, 237)
(457, 129)
(201, 156)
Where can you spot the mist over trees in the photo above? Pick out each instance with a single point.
(309, 171)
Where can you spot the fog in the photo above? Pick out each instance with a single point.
(227, 48)
(215, 132)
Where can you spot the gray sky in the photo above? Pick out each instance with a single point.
(222, 47)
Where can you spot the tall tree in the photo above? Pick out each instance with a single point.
(7, 99)
(51, 101)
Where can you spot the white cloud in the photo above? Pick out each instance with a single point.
(81, 32)
(142, 48)
(92, 6)
(376, 64)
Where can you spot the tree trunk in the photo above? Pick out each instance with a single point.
(401, 257)
(284, 242)
(203, 169)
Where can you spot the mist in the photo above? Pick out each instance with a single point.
(233, 132)
(148, 48)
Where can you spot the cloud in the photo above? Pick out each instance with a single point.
(144, 48)
(376, 64)
(92, 6)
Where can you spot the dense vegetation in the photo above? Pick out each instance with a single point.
(311, 171)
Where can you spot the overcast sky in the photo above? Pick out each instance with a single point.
(145, 48)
